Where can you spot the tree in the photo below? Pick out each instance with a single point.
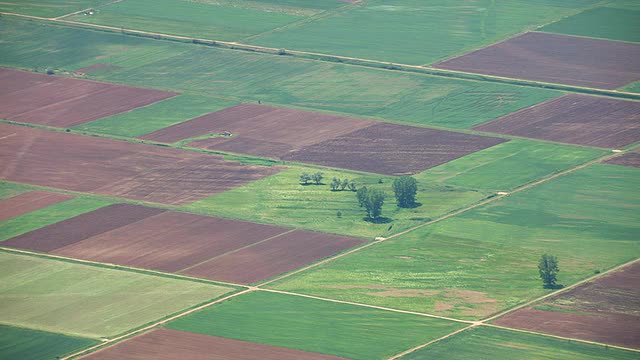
(405, 188)
(361, 194)
(335, 183)
(548, 268)
(317, 177)
(352, 186)
(344, 184)
(372, 200)
(305, 178)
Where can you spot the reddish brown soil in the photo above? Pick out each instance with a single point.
(28, 202)
(65, 102)
(109, 167)
(605, 311)
(273, 257)
(81, 227)
(170, 241)
(556, 59)
(574, 119)
(631, 159)
(393, 149)
(161, 344)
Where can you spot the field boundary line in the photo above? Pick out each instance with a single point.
(422, 346)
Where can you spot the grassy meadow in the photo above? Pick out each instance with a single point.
(26, 344)
(48, 8)
(604, 22)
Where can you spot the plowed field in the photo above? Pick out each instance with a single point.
(631, 159)
(109, 167)
(574, 119)
(556, 59)
(64, 102)
(28, 202)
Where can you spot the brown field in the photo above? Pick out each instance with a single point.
(64, 102)
(631, 159)
(168, 344)
(28, 202)
(393, 149)
(574, 119)
(276, 256)
(115, 168)
(605, 311)
(556, 59)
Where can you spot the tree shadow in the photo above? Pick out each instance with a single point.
(411, 206)
(553, 287)
(380, 220)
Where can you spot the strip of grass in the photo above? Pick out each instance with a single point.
(26, 344)
(315, 325)
(485, 343)
(89, 301)
(8, 190)
(604, 22)
(485, 260)
(156, 116)
(47, 8)
(633, 87)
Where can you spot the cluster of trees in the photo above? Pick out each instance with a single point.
(317, 177)
(372, 200)
(339, 184)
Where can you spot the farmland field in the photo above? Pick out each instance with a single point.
(599, 23)
(555, 58)
(314, 325)
(48, 8)
(81, 300)
(628, 159)
(489, 343)
(477, 263)
(28, 202)
(26, 344)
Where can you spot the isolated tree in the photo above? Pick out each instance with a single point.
(372, 200)
(361, 194)
(548, 268)
(344, 184)
(352, 186)
(317, 177)
(305, 178)
(335, 183)
(405, 188)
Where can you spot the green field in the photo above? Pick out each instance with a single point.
(49, 215)
(315, 325)
(485, 343)
(156, 116)
(633, 87)
(416, 31)
(48, 8)
(8, 190)
(89, 301)
(480, 262)
(26, 344)
(605, 22)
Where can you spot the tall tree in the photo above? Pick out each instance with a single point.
(305, 178)
(548, 269)
(317, 177)
(372, 200)
(405, 188)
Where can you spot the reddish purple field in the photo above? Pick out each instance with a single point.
(64, 102)
(574, 119)
(556, 59)
(168, 344)
(115, 168)
(28, 202)
(631, 159)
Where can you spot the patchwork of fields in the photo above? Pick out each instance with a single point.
(153, 200)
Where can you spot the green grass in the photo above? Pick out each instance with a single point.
(89, 301)
(48, 215)
(156, 116)
(315, 325)
(48, 8)
(281, 199)
(8, 190)
(480, 262)
(485, 343)
(26, 344)
(603, 22)
(416, 31)
(633, 87)
(509, 165)
(189, 18)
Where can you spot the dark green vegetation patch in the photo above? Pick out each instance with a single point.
(604, 22)
(26, 344)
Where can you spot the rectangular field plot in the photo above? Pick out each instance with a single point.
(483, 343)
(574, 119)
(605, 310)
(63, 102)
(108, 167)
(48, 8)
(301, 323)
(485, 260)
(556, 59)
(26, 344)
(604, 22)
(167, 344)
(28, 202)
(89, 301)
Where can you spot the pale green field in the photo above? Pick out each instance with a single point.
(48, 8)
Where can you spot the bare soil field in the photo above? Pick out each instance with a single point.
(28, 202)
(167, 344)
(631, 159)
(556, 59)
(64, 102)
(605, 310)
(273, 257)
(574, 119)
(393, 149)
(109, 167)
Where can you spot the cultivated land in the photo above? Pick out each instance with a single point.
(629, 159)
(489, 343)
(555, 58)
(598, 23)
(26, 344)
(480, 262)
(89, 301)
(28, 202)
(62, 102)
(302, 323)
(167, 344)
(48, 8)
(605, 311)
(104, 166)
(575, 119)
